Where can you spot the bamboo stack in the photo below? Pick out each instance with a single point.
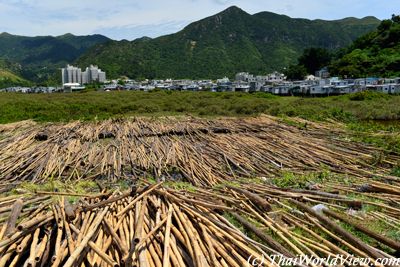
(225, 217)
(154, 225)
(202, 152)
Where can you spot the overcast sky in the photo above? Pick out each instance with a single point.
(130, 19)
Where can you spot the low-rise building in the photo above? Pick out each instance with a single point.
(322, 73)
(72, 87)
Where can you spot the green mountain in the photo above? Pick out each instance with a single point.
(40, 57)
(223, 44)
(374, 54)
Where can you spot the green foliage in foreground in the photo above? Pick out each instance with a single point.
(384, 134)
(103, 105)
(54, 185)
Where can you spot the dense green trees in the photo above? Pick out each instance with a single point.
(314, 59)
(295, 72)
(374, 54)
(10, 82)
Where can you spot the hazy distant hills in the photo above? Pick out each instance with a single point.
(224, 44)
(40, 56)
(220, 45)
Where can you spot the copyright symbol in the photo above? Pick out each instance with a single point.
(255, 261)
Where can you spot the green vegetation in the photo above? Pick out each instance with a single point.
(180, 186)
(312, 60)
(220, 45)
(374, 54)
(293, 180)
(8, 79)
(39, 58)
(9, 75)
(382, 134)
(103, 105)
(295, 72)
(81, 187)
(224, 44)
(376, 226)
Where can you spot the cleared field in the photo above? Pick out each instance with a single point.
(193, 192)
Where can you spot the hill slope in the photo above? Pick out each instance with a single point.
(9, 75)
(224, 44)
(374, 54)
(40, 56)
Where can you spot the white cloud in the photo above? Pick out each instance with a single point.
(133, 18)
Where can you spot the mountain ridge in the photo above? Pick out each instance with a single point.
(223, 44)
(218, 45)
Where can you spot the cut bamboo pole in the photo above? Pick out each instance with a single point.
(385, 240)
(132, 203)
(12, 219)
(87, 238)
(336, 228)
(98, 250)
(166, 254)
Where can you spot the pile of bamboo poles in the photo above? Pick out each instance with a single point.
(222, 219)
(149, 226)
(202, 152)
(322, 230)
(230, 225)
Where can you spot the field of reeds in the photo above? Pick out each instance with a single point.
(187, 191)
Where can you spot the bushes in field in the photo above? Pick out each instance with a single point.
(100, 105)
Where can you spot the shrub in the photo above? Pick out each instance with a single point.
(367, 95)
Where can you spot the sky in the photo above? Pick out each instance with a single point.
(131, 19)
